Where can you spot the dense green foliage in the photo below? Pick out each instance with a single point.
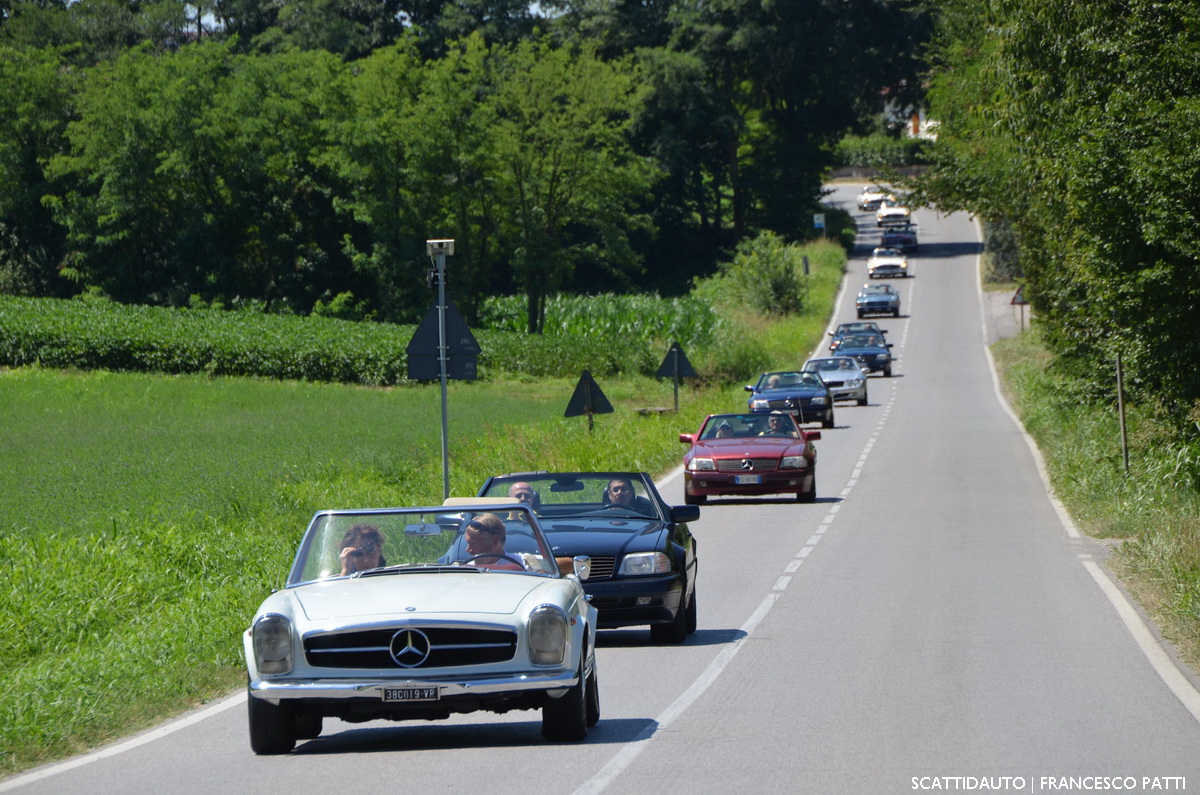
(881, 151)
(1076, 123)
(111, 336)
(606, 335)
(304, 150)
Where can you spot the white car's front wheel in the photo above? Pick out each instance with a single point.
(272, 726)
(565, 719)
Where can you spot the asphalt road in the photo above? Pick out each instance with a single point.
(929, 624)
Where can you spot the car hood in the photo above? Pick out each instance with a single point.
(603, 536)
(754, 446)
(845, 351)
(840, 375)
(387, 594)
(787, 392)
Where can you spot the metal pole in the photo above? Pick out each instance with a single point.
(675, 380)
(1121, 414)
(443, 364)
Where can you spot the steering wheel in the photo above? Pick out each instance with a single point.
(509, 558)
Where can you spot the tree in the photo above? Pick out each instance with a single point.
(566, 171)
(1076, 121)
(37, 86)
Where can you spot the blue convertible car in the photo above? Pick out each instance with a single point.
(803, 395)
(873, 354)
(643, 556)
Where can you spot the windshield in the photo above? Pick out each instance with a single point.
(788, 380)
(371, 542)
(742, 426)
(558, 494)
(828, 365)
(861, 341)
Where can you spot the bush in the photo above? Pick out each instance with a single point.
(881, 151)
(1001, 252)
(765, 277)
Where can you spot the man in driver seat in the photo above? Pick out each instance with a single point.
(486, 534)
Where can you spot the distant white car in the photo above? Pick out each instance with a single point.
(871, 197)
(394, 614)
(892, 213)
(885, 262)
(842, 375)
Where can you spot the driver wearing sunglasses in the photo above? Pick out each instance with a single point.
(362, 549)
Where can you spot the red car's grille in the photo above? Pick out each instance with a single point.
(739, 464)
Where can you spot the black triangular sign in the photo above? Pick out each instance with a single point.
(459, 339)
(675, 358)
(588, 399)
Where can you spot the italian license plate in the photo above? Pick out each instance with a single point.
(745, 480)
(410, 694)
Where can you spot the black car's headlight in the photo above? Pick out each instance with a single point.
(645, 563)
(818, 400)
(547, 635)
(272, 635)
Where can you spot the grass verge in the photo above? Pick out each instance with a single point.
(1149, 515)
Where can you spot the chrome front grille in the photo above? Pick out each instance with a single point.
(446, 646)
(756, 464)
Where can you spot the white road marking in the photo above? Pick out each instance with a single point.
(633, 750)
(128, 745)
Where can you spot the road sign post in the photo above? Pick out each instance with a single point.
(676, 367)
(587, 400)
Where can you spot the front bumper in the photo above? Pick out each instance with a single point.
(449, 686)
(634, 601)
(848, 392)
(877, 309)
(717, 484)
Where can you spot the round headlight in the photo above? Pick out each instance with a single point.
(547, 635)
(273, 644)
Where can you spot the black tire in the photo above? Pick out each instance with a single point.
(828, 422)
(887, 372)
(272, 726)
(593, 697)
(860, 315)
(675, 631)
(694, 499)
(564, 719)
(693, 617)
(309, 724)
(896, 313)
(862, 401)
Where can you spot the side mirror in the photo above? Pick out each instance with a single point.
(749, 388)
(812, 436)
(583, 566)
(685, 513)
(890, 345)
(686, 438)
